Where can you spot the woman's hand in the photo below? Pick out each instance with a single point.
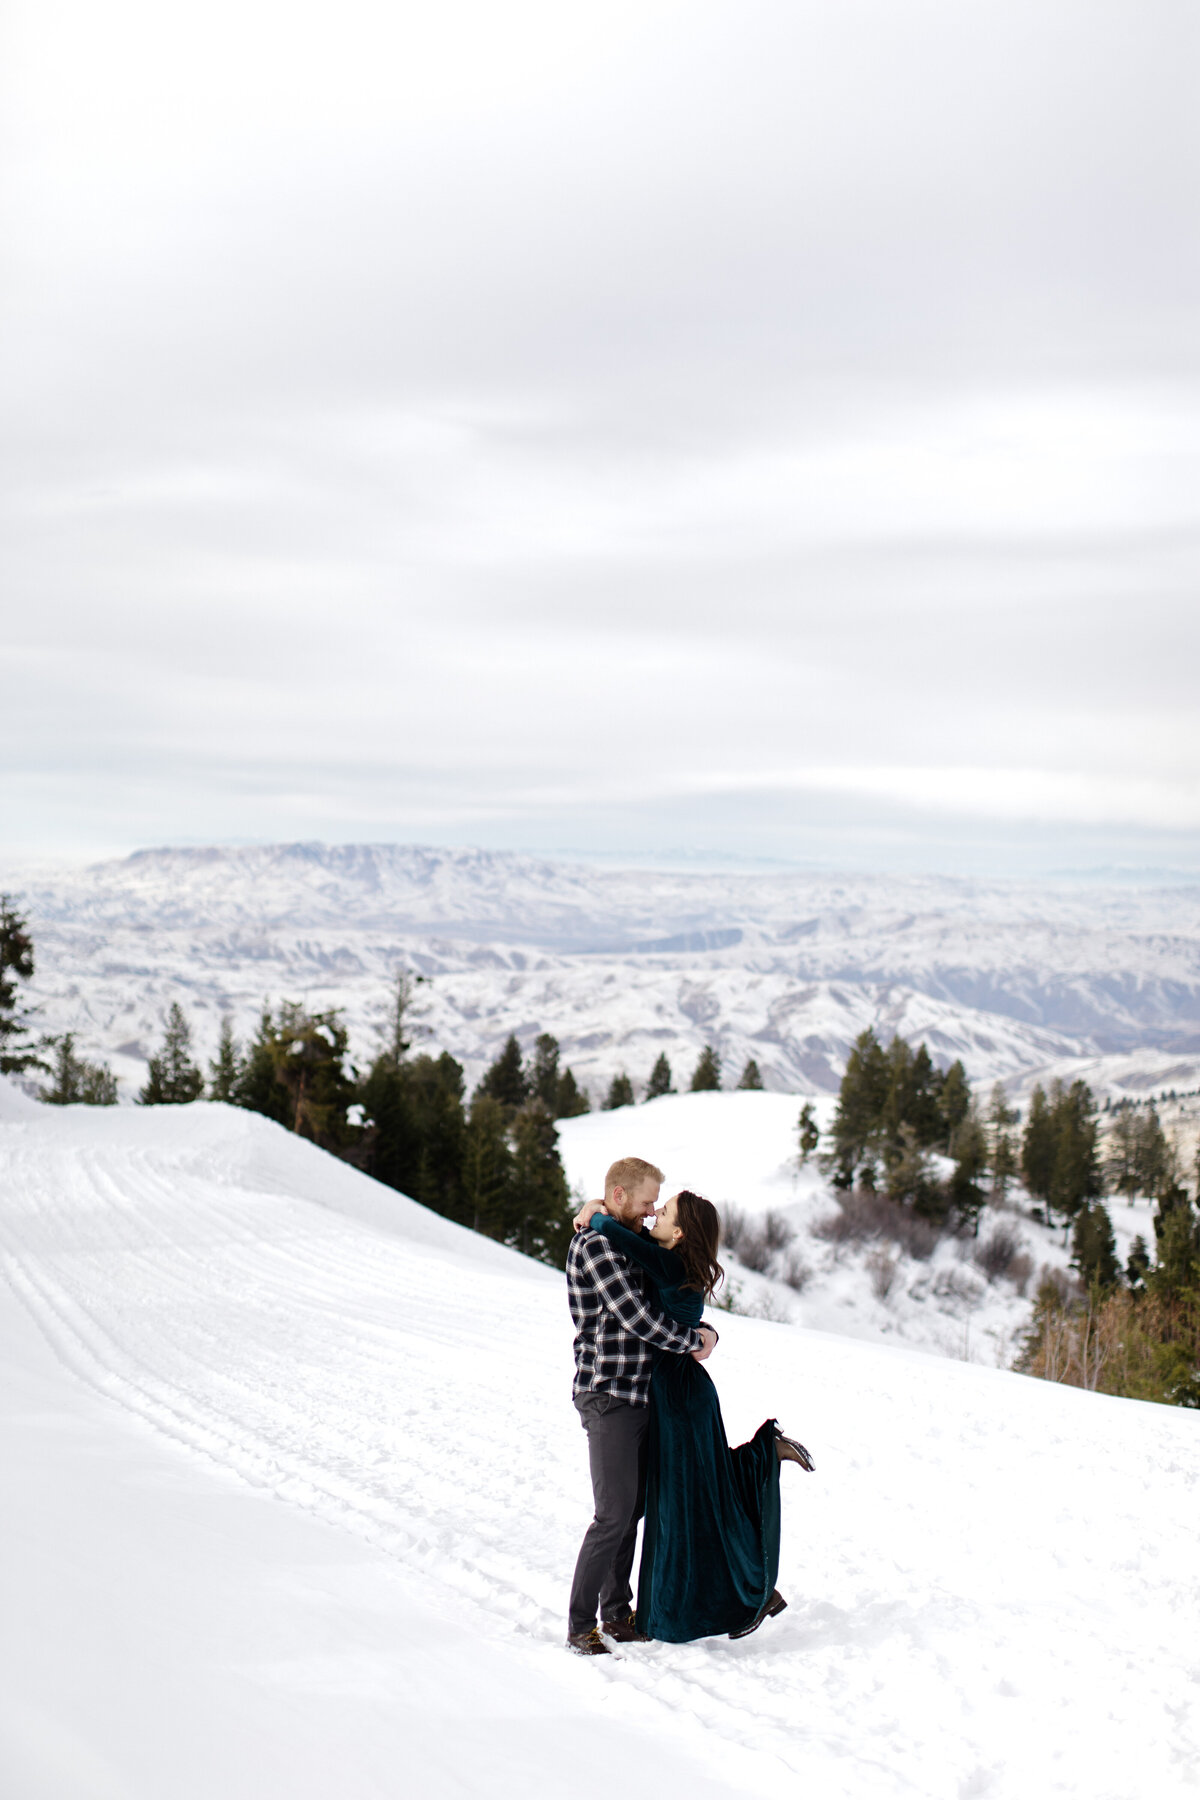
(584, 1216)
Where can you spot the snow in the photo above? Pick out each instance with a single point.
(623, 964)
(295, 1490)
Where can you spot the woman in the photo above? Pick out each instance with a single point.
(710, 1549)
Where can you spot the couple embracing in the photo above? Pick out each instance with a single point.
(637, 1280)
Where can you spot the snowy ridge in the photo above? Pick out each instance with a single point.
(622, 964)
(410, 1385)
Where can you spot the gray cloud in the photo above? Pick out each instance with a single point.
(774, 428)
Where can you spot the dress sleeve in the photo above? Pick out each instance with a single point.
(662, 1265)
(621, 1297)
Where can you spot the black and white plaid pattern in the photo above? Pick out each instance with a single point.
(617, 1328)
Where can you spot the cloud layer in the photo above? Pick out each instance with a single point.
(771, 429)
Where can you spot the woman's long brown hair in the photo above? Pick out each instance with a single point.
(700, 1224)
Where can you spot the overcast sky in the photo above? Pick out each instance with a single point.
(759, 429)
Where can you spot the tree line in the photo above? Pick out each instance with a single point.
(1132, 1329)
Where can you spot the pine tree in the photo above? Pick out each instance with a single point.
(808, 1132)
(1075, 1176)
(544, 1077)
(571, 1099)
(173, 1078)
(487, 1166)
(908, 1177)
(750, 1077)
(256, 1087)
(540, 1219)
(706, 1076)
(660, 1079)
(955, 1101)
(862, 1100)
(309, 1051)
(17, 1052)
(620, 1093)
(1177, 1238)
(506, 1080)
(970, 1151)
(224, 1071)
(1038, 1146)
(1002, 1149)
(76, 1081)
(1094, 1248)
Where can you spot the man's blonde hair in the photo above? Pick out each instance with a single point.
(629, 1172)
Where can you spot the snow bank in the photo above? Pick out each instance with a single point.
(988, 1576)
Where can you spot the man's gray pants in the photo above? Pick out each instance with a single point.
(617, 1453)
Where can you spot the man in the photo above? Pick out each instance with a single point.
(618, 1327)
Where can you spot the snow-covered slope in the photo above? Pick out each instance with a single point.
(620, 964)
(991, 1579)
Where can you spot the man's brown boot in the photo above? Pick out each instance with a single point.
(588, 1643)
(624, 1631)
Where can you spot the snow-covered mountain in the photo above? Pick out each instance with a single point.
(293, 1489)
(621, 964)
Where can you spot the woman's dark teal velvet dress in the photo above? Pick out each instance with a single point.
(710, 1549)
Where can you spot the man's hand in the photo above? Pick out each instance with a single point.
(708, 1344)
(584, 1215)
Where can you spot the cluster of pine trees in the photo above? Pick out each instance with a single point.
(895, 1111)
(1132, 1331)
(706, 1079)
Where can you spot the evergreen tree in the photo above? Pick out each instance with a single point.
(256, 1087)
(17, 1052)
(1002, 1148)
(1094, 1248)
(620, 1093)
(1038, 1146)
(808, 1131)
(224, 1071)
(506, 1080)
(1138, 1265)
(1075, 1177)
(955, 1101)
(572, 1100)
(308, 1051)
(544, 1077)
(706, 1077)
(1177, 1238)
(487, 1166)
(750, 1077)
(77, 1082)
(862, 1101)
(660, 1078)
(908, 1177)
(539, 1222)
(970, 1151)
(173, 1079)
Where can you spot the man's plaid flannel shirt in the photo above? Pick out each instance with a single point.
(617, 1329)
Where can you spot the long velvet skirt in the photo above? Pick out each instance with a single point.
(710, 1549)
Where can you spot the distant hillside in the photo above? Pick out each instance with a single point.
(623, 964)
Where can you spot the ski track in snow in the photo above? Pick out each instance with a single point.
(993, 1582)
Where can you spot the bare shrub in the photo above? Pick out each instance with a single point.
(733, 1226)
(863, 1217)
(882, 1266)
(753, 1250)
(996, 1253)
(1019, 1271)
(796, 1272)
(776, 1230)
